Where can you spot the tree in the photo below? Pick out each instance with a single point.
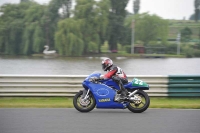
(57, 10)
(116, 20)
(197, 8)
(136, 6)
(94, 17)
(68, 38)
(85, 31)
(34, 34)
(186, 34)
(25, 1)
(192, 17)
(148, 27)
(23, 28)
(60, 8)
(103, 13)
(11, 27)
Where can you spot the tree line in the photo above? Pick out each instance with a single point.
(25, 28)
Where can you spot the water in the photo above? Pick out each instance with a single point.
(86, 65)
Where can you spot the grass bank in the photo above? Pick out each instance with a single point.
(62, 102)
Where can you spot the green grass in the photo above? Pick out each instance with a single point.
(184, 103)
(62, 102)
(48, 102)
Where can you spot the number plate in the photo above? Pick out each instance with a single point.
(138, 82)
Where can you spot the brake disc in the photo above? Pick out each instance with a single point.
(84, 102)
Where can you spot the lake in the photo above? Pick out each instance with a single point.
(86, 65)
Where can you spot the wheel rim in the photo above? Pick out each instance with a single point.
(84, 104)
(139, 103)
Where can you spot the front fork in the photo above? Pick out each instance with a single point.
(84, 98)
(85, 94)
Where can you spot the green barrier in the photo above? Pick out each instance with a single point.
(184, 85)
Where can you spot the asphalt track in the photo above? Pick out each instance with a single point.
(99, 121)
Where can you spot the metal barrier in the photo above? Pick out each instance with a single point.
(184, 85)
(68, 85)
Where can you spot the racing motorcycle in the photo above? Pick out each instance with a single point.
(103, 94)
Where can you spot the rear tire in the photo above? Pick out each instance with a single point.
(88, 106)
(135, 107)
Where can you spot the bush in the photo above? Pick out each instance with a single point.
(197, 53)
(128, 49)
(190, 51)
(171, 48)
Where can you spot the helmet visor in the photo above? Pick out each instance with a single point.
(104, 66)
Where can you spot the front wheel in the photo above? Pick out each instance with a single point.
(139, 102)
(84, 105)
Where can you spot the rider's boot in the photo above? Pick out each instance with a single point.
(123, 92)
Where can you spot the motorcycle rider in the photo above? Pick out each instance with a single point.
(117, 74)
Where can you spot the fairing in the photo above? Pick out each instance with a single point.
(105, 91)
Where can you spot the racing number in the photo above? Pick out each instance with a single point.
(139, 82)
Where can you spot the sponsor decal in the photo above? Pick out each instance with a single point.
(104, 100)
(102, 92)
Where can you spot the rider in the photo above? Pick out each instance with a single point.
(116, 73)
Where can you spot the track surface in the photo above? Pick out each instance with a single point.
(99, 121)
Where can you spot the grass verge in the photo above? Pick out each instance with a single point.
(62, 102)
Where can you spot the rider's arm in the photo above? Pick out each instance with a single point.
(109, 74)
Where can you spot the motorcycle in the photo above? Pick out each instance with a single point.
(103, 94)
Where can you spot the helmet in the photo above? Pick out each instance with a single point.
(106, 63)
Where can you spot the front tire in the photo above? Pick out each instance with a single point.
(84, 106)
(140, 105)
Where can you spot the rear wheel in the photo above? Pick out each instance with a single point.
(139, 102)
(84, 105)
